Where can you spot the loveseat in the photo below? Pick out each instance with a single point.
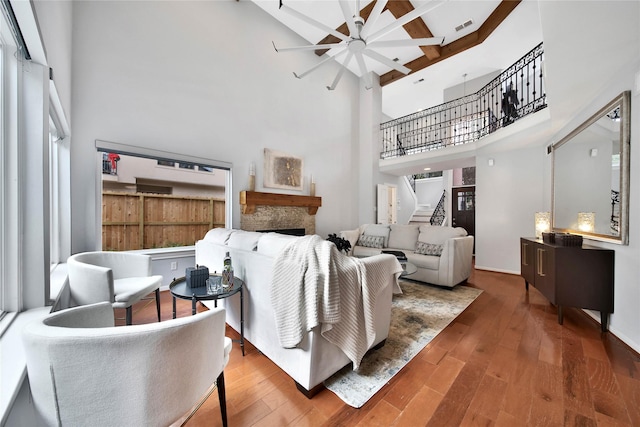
(255, 258)
(442, 255)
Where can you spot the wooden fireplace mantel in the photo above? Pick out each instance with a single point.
(250, 199)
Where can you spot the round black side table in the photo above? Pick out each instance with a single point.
(180, 289)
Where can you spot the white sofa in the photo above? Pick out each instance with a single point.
(253, 257)
(446, 257)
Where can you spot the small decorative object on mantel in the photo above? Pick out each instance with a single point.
(252, 176)
(197, 276)
(312, 187)
(341, 244)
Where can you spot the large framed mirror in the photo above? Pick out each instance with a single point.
(591, 176)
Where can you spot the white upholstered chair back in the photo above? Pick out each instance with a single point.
(122, 278)
(84, 371)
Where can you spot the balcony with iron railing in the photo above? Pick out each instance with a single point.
(515, 93)
(110, 163)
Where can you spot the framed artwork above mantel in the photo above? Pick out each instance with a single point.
(282, 170)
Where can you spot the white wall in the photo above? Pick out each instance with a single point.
(507, 196)
(202, 79)
(469, 87)
(429, 191)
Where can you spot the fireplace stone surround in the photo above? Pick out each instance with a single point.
(271, 211)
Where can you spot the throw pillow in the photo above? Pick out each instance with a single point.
(377, 230)
(371, 241)
(423, 248)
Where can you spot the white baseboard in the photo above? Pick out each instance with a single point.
(496, 270)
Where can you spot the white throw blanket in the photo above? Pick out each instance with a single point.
(315, 285)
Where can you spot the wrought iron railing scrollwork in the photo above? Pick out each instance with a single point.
(412, 182)
(515, 93)
(437, 218)
(615, 212)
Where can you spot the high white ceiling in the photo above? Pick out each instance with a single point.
(518, 33)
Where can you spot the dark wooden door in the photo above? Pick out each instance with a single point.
(463, 209)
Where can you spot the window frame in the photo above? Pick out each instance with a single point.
(10, 289)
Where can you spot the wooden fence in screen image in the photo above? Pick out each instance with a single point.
(144, 221)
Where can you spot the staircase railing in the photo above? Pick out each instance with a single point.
(515, 93)
(412, 182)
(439, 213)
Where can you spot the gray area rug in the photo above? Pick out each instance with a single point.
(417, 316)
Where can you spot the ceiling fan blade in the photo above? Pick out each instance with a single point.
(430, 41)
(341, 72)
(386, 61)
(312, 22)
(318, 65)
(308, 47)
(348, 18)
(427, 7)
(373, 17)
(364, 71)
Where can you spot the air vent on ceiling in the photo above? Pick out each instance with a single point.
(464, 25)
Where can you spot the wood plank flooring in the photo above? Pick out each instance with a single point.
(504, 361)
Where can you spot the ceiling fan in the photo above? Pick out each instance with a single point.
(361, 41)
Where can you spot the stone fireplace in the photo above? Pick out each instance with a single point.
(271, 211)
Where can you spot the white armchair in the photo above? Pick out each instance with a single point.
(84, 371)
(122, 278)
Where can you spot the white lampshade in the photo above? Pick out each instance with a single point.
(586, 221)
(543, 223)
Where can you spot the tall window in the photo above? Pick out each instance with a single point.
(2, 163)
(54, 195)
(150, 202)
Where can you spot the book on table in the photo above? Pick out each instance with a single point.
(398, 254)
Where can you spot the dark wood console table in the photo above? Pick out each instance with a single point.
(567, 276)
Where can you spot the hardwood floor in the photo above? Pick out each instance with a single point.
(505, 361)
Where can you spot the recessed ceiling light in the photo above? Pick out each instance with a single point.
(427, 169)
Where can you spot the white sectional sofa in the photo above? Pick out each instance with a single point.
(253, 257)
(443, 255)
